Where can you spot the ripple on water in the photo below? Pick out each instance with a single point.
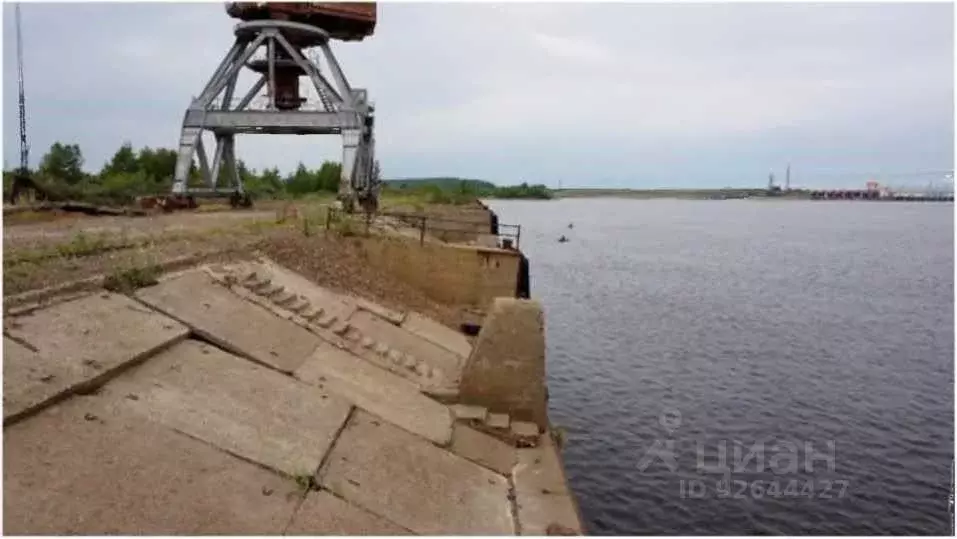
(757, 321)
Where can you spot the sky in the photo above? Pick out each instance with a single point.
(565, 94)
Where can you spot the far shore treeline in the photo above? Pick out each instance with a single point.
(132, 173)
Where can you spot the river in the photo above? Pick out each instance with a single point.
(749, 366)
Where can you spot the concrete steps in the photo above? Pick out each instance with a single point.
(501, 426)
(332, 324)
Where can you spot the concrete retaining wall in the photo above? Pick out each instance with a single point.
(449, 273)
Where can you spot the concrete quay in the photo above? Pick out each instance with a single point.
(243, 399)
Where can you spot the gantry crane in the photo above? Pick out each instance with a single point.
(283, 32)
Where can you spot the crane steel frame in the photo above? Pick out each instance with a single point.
(347, 112)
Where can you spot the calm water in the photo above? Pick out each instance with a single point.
(677, 329)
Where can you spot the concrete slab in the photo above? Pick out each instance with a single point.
(547, 514)
(238, 406)
(231, 322)
(324, 514)
(483, 449)
(81, 468)
(76, 346)
(438, 359)
(448, 338)
(539, 469)
(415, 484)
(544, 503)
(380, 392)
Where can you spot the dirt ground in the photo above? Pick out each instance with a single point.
(44, 252)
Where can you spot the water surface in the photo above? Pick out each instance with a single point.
(749, 324)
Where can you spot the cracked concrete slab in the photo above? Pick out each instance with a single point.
(378, 391)
(233, 404)
(322, 513)
(378, 467)
(83, 468)
(228, 320)
(77, 345)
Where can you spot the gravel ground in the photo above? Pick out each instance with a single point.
(326, 259)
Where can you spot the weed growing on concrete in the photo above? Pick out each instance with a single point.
(304, 483)
(559, 436)
(127, 281)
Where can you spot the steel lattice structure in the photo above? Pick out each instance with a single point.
(342, 110)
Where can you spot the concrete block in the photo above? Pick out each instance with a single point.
(466, 412)
(497, 421)
(506, 371)
(231, 322)
(234, 404)
(324, 514)
(448, 338)
(483, 449)
(525, 433)
(82, 468)
(433, 355)
(415, 484)
(76, 346)
(378, 391)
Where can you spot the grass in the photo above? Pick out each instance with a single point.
(81, 244)
(129, 280)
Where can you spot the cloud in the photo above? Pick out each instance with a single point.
(626, 94)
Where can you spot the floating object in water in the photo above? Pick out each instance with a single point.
(571, 225)
(562, 239)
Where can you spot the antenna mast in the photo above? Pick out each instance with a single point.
(22, 108)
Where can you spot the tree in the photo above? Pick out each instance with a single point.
(328, 176)
(302, 181)
(124, 161)
(64, 162)
(158, 165)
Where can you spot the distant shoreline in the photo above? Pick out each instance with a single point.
(690, 194)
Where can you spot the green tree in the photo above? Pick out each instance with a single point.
(158, 165)
(302, 181)
(63, 163)
(124, 161)
(328, 176)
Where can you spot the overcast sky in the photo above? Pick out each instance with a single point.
(629, 95)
